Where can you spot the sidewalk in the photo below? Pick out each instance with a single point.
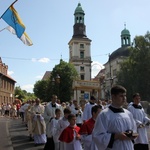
(5, 142)
(19, 136)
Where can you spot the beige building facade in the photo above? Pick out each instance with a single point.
(80, 52)
(7, 85)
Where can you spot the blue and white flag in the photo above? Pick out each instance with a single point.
(16, 26)
(24, 38)
(12, 18)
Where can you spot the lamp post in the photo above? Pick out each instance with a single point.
(56, 81)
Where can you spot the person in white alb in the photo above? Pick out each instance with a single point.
(142, 122)
(87, 128)
(49, 111)
(77, 111)
(115, 127)
(53, 129)
(70, 136)
(62, 124)
(87, 109)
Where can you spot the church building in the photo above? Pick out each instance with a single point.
(80, 49)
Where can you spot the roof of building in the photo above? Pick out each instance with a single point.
(79, 9)
(46, 75)
(125, 32)
(7, 76)
(122, 51)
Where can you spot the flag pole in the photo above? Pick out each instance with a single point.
(2, 29)
(8, 8)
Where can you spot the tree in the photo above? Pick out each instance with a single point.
(23, 95)
(63, 88)
(135, 70)
(41, 89)
(19, 93)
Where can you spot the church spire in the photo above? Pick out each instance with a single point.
(125, 37)
(79, 27)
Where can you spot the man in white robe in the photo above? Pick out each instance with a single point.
(49, 112)
(142, 122)
(87, 109)
(114, 123)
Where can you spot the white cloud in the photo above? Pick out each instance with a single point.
(34, 59)
(96, 67)
(28, 88)
(10, 72)
(44, 60)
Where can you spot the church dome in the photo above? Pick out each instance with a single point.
(125, 32)
(79, 9)
(120, 52)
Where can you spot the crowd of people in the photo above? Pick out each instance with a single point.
(94, 125)
(11, 110)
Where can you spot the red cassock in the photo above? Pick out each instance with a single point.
(68, 134)
(87, 127)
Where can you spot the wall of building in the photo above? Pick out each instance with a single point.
(6, 85)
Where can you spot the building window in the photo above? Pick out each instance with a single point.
(82, 77)
(70, 53)
(81, 68)
(82, 54)
(107, 75)
(81, 45)
(82, 92)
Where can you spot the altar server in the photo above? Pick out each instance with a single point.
(70, 135)
(115, 127)
(142, 122)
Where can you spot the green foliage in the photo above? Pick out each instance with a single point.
(19, 93)
(40, 89)
(135, 71)
(23, 94)
(63, 88)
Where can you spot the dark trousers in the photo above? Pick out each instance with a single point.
(49, 144)
(141, 147)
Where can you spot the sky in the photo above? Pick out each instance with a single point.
(49, 24)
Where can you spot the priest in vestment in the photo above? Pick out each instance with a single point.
(38, 124)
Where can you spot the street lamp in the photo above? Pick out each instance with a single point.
(56, 81)
(103, 85)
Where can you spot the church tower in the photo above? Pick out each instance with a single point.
(125, 37)
(80, 46)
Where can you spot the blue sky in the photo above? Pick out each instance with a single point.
(49, 24)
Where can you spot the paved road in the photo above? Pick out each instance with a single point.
(14, 135)
(20, 138)
(5, 142)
